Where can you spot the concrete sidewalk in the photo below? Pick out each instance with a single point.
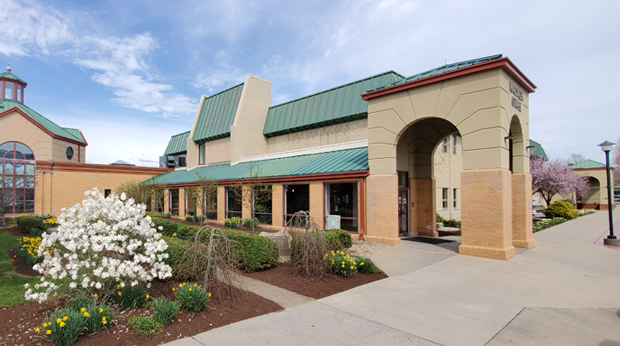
(562, 292)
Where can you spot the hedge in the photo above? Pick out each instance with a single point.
(560, 209)
(254, 252)
(169, 228)
(334, 235)
(31, 224)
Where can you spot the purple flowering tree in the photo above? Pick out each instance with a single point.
(551, 177)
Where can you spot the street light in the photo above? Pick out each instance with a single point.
(611, 238)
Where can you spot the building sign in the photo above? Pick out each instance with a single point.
(518, 96)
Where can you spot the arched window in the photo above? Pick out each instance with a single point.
(17, 167)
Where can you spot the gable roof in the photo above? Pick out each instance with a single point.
(217, 114)
(341, 161)
(442, 69)
(538, 149)
(177, 144)
(336, 105)
(587, 164)
(72, 135)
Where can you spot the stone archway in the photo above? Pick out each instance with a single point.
(496, 202)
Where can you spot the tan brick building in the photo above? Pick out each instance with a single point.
(42, 165)
(367, 152)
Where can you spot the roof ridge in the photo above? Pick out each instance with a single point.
(223, 91)
(337, 87)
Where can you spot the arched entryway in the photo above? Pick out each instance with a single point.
(17, 168)
(594, 198)
(415, 167)
(489, 108)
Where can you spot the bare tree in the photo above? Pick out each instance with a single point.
(204, 194)
(254, 194)
(575, 158)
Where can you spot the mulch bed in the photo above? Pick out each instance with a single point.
(19, 321)
(283, 276)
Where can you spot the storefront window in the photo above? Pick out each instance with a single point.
(209, 196)
(297, 198)
(233, 201)
(341, 199)
(174, 202)
(262, 205)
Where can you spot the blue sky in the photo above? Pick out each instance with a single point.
(129, 74)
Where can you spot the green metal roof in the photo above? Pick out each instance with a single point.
(217, 115)
(177, 144)
(441, 69)
(9, 75)
(72, 134)
(349, 160)
(336, 105)
(538, 149)
(588, 164)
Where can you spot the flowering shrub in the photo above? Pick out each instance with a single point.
(29, 250)
(98, 244)
(192, 297)
(233, 222)
(366, 266)
(546, 223)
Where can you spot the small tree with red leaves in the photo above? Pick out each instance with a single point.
(551, 177)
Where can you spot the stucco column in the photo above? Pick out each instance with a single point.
(277, 205)
(522, 211)
(382, 201)
(423, 217)
(486, 213)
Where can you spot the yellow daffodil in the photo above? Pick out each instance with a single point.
(58, 320)
(62, 324)
(101, 310)
(64, 318)
(95, 295)
(209, 294)
(48, 331)
(173, 288)
(119, 293)
(190, 289)
(86, 314)
(195, 285)
(82, 309)
(147, 296)
(44, 325)
(37, 329)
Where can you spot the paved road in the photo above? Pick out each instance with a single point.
(562, 292)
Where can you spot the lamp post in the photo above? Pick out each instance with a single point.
(611, 238)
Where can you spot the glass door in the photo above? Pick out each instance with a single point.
(403, 204)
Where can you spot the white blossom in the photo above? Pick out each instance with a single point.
(106, 240)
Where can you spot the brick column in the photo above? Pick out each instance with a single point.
(277, 205)
(166, 201)
(221, 203)
(522, 211)
(382, 202)
(182, 203)
(246, 211)
(317, 198)
(486, 213)
(423, 219)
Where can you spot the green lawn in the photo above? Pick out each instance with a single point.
(11, 284)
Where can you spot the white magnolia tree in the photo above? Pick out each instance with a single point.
(102, 243)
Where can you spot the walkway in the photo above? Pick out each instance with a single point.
(562, 292)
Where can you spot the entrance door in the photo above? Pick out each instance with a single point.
(403, 204)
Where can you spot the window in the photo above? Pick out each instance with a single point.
(190, 202)
(444, 198)
(174, 201)
(209, 196)
(201, 154)
(262, 204)
(454, 144)
(454, 198)
(403, 181)
(19, 92)
(17, 169)
(233, 201)
(444, 146)
(69, 153)
(341, 199)
(296, 198)
(107, 192)
(9, 88)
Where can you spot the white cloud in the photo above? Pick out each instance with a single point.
(120, 63)
(122, 67)
(220, 79)
(29, 27)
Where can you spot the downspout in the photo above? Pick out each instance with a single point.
(362, 201)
